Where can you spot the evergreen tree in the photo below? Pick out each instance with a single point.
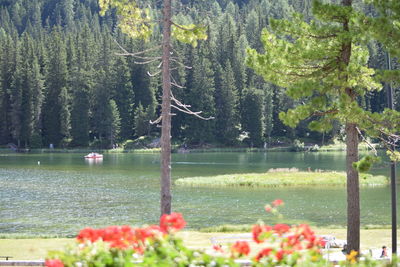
(325, 65)
(8, 55)
(226, 108)
(81, 58)
(101, 115)
(227, 38)
(67, 11)
(17, 86)
(252, 29)
(56, 122)
(239, 68)
(123, 96)
(253, 115)
(140, 121)
(268, 111)
(178, 74)
(26, 95)
(81, 87)
(201, 97)
(384, 25)
(101, 109)
(143, 85)
(115, 123)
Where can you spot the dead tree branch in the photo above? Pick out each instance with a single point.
(181, 64)
(153, 74)
(126, 53)
(148, 61)
(185, 109)
(367, 142)
(157, 121)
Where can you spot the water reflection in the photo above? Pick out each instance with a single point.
(66, 193)
(94, 161)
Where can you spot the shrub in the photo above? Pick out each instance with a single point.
(157, 245)
(297, 145)
(123, 245)
(315, 148)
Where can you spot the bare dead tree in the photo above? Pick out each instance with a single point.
(168, 99)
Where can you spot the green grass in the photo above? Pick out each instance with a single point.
(280, 179)
(340, 146)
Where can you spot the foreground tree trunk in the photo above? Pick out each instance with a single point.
(353, 190)
(166, 113)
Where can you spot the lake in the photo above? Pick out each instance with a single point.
(65, 192)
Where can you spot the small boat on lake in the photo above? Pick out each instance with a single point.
(94, 155)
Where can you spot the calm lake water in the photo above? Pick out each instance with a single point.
(66, 193)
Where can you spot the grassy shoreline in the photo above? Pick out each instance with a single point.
(280, 179)
(212, 149)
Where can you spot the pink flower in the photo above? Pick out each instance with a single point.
(218, 248)
(54, 263)
(277, 202)
(268, 208)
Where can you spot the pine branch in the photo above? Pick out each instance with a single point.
(322, 113)
(182, 28)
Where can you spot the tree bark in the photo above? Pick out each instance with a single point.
(353, 189)
(166, 113)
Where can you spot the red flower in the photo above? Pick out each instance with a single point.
(174, 221)
(277, 202)
(294, 241)
(263, 253)
(54, 263)
(268, 208)
(241, 247)
(281, 228)
(218, 248)
(279, 255)
(258, 231)
(88, 234)
(306, 231)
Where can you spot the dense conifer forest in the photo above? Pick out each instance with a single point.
(64, 82)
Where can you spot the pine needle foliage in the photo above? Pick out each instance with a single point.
(323, 64)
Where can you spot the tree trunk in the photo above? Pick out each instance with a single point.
(166, 113)
(353, 190)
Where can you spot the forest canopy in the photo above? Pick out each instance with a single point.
(62, 81)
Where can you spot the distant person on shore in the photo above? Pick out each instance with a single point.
(384, 252)
(344, 250)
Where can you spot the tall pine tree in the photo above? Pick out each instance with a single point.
(56, 117)
(226, 106)
(324, 64)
